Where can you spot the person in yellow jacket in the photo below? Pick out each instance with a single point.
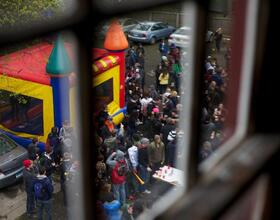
(163, 80)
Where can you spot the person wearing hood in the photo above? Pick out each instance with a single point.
(119, 166)
(43, 190)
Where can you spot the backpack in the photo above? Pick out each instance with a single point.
(122, 169)
(119, 172)
(40, 191)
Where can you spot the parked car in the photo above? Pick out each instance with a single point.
(126, 23)
(12, 156)
(181, 37)
(150, 32)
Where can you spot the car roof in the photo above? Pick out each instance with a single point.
(150, 22)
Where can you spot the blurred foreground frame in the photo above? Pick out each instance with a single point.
(22, 19)
(73, 20)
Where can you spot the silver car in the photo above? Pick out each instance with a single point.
(150, 32)
(11, 161)
(181, 37)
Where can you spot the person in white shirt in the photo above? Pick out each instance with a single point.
(133, 156)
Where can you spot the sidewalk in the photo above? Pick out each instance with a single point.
(18, 212)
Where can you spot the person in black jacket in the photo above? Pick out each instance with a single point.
(47, 161)
(169, 126)
(65, 174)
(43, 190)
(54, 143)
(28, 178)
(143, 164)
(171, 152)
(33, 149)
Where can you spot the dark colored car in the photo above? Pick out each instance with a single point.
(150, 32)
(11, 161)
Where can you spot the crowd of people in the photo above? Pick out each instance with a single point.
(130, 153)
(42, 166)
(213, 109)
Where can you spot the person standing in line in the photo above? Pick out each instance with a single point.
(133, 158)
(118, 175)
(163, 48)
(163, 80)
(143, 166)
(43, 190)
(140, 49)
(33, 149)
(28, 178)
(47, 161)
(218, 38)
(156, 152)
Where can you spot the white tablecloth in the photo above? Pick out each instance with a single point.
(170, 175)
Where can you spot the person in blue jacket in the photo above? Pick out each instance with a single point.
(163, 48)
(112, 210)
(43, 190)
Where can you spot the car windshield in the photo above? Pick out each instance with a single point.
(142, 27)
(6, 145)
(182, 31)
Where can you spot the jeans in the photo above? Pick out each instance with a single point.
(44, 205)
(119, 192)
(162, 88)
(145, 176)
(30, 203)
(155, 167)
(131, 184)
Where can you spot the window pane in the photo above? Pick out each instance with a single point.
(6, 145)
(140, 129)
(21, 113)
(19, 15)
(215, 112)
(39, 128)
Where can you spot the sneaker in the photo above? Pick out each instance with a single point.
(147, 191)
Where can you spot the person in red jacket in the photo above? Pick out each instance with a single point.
(119, 167)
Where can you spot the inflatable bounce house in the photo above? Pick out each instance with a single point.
(37, 86)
